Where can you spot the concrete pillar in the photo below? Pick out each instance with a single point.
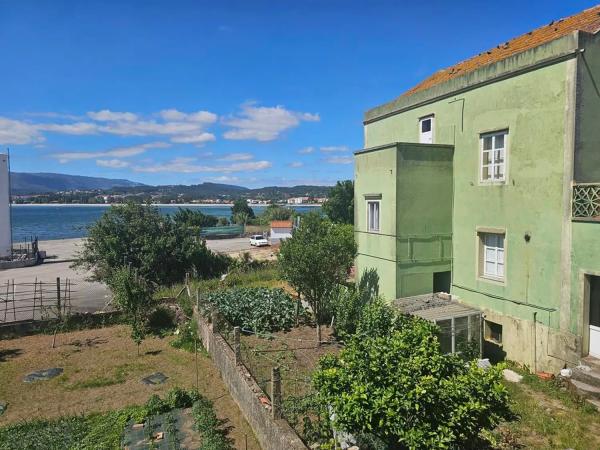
(276, 393)
(237, 346)
(5, 225)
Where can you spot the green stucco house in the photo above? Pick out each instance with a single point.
(483, 181)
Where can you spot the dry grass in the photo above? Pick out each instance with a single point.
(102, 373)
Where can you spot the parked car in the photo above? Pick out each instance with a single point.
(258, 240)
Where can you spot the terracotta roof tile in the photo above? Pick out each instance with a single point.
(281, 224)
(588, 21)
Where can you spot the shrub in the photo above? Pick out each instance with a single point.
(209, 426)
(258, 309)
(376, 319)
(140, 237)
(348, 303)
(405, 392)
(161, 320)
(187, 338)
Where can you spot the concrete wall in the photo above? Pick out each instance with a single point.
(271, 434)
(5, 226)
(532, 95)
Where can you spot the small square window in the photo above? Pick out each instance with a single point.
(493, 332)
(373, 216)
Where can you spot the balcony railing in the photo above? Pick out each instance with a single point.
(586, 201)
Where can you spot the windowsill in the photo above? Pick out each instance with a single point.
(492, 280)
(374, 231)
(493, 341)
(492, 183)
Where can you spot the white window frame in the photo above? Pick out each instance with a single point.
(369, 228)
(496, 168)
(492, 251)
(432, 131)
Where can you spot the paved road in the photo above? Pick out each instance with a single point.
(87, 296)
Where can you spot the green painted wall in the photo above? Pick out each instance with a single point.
(585, 260)
(587, 146)
(415, 185)
(532, 107)
(375, 173)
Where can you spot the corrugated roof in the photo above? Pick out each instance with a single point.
(433, 307)
(587, 20)
(281, 224)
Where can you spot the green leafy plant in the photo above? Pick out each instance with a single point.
(209, 426)
(404, 391)
(258, 309)
(316, 259)
(340, 205)
(140, 237)
(187, 338)
(185, 217)
(377, 318)
(348, 302)
(133, 294)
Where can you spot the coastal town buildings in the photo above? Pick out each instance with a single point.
(484, 181)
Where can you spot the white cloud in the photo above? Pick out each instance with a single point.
(340, 160)
(112, 163)
(120, 152)
(237, 157)
(296, 164)
(198, 116)
(18, 132)
(306, 150)
(225, 179)
(335, 149)
(264, 123)
(190, 165)
(196, 139)
(107, 115)
(77, 128)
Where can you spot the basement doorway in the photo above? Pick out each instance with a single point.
(593, 293)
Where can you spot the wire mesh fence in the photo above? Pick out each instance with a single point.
(295, 355)
(37, 300)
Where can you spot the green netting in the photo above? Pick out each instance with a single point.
(226, 231)
(162, 432)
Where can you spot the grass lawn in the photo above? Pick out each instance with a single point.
(101, 374)
(549, 418)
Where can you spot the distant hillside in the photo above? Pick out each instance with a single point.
(38, 183)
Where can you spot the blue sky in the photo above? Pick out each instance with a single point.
(253, 93)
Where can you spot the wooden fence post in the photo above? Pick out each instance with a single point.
(236, 346)
(58, 306)
(276, 393)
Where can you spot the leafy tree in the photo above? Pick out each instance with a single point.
(316, 259)
(223, 221)
(132, 294)
(340, 205)
(401, 388)
(240, 206)
(140, 237)
(189, 218)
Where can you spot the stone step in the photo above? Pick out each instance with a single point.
(591, 376)
(586, 390)
(595, 403)
(594, 363)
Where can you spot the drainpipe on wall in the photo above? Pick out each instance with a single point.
(534, 348)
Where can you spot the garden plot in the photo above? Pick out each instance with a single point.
(102, 373)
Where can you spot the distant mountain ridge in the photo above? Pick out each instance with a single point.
(49, 183)
(42, 183)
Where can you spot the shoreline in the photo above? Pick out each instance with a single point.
(183, 205)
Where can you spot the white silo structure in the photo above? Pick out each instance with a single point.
(5, 225)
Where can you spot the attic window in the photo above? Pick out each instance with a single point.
(426, 129)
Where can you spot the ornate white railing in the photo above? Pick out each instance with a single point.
(586, 201)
